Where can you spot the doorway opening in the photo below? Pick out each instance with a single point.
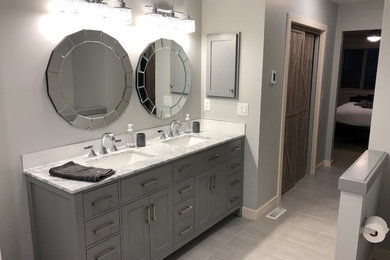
(302, 84)
(356, 87)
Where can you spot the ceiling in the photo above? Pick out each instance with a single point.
(348, 1)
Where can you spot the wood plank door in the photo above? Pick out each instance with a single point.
(297, 107)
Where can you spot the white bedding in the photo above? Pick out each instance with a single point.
(353, 115)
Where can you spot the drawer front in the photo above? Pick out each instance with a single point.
(184, 212)
(235, 148)
(211, 158)
(234, 190)
(183, 231)
(101, 227)
(235, 165)
(100, 200)
(146, 182)
(183, 168)
(107, 250)
(183, 190)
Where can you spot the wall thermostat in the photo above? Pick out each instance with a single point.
(273, 77)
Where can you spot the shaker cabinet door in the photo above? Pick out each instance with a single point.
(203, 200)
(135, 232)
(219, 192)
(161, 225)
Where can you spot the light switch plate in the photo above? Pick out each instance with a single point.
(207, 104)
(242, 109)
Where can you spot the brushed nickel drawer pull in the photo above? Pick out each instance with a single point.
(185, 167)
(103, 228)
(103, 200)
(103, 255)
(154, 212)
(186, 210)
(215, 157)
(150, 183)
(214, 182)
(234, 166)
(211, 178)
(234, 182)
(188, 229)
(234, 199)
(185, 189)
(148, 215)
(237, 148)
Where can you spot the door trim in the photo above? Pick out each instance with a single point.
(322, 30)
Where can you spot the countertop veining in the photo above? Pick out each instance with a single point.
(214, 133)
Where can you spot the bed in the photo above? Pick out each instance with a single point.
(353, 122)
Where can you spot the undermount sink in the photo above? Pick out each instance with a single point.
(185, 141)
(119, 160)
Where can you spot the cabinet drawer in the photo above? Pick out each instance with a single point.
(107, 250)
(145, 183)
(183, 190)
(235, 148)
(235, 165)
(100, 200)
(184, 212)
(211, 158)
(183, 168)
(101, 227)
(183, 231)
(234, 190)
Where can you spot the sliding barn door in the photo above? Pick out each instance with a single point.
(297, 107)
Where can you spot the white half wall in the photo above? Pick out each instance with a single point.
(350, 17)
(380, 125)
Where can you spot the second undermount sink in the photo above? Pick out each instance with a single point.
(118, 160)
(185, 141)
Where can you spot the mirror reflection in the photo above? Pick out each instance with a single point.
(89, 79)
(163, 78)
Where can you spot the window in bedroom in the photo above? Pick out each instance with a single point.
(360, 61)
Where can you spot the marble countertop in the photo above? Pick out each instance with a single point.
(160, 152)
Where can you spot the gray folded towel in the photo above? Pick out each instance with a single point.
(74, 171)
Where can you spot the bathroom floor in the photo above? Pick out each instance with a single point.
(306, 231)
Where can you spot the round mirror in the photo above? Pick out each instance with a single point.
(89, 79)
(163, 78)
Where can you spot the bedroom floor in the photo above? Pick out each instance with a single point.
(306, 231)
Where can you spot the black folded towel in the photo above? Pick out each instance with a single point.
(74, 171)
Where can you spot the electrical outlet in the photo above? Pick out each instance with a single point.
(207, 104)
(242, 109)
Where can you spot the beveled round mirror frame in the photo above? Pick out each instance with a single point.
(54, 85)
(142, 66)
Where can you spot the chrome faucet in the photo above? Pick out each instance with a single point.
(172, 126)
(112, 138)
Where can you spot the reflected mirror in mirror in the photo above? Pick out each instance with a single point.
(89, 79)
(163, 78)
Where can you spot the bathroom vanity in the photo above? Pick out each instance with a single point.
(147, 210)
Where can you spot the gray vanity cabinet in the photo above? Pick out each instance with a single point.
(147, 226)
(145, 216)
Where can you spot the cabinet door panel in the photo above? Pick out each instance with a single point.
(161, 227)
(136, 231)
(219, 192)
(203, 200)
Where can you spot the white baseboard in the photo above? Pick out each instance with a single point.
(325, 163)
(256, 214)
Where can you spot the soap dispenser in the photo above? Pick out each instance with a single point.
(187, 125)
(130, 136)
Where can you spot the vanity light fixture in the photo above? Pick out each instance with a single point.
(169, 18)
(109, 9)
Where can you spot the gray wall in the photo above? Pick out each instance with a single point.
(226, 16)
(380, 124)
(322, 11)
(350, 17)
(28, 120)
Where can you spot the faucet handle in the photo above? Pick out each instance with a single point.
(162, 134)
(114, 148)
(91, 151)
